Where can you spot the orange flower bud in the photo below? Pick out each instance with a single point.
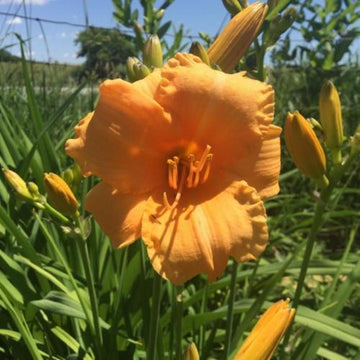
(331, 119)
(304, 147)
(267, 333)
(18, 185)
(191, 353)
(237, 36)
(60, 194)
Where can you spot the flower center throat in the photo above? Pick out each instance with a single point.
(187, 171)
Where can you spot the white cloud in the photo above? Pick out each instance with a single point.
(34, 2)
(13, 21)
(66, 55)
(63, 35)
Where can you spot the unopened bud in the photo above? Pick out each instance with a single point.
(304, 148)
(278, 25)
(131, 61)
(235, 39)
(153, 56)
(355, 141)
(331, 119)
(191, 353)
(159, 14)
(141, 71)
(267, 332)
(60, 194)
(34, 191)
(232, 6)
(198, 50)
(18, 185)
(138, 29)
(272, 4)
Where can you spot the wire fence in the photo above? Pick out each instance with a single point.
(9, 17)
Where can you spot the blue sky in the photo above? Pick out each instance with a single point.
(196, 15)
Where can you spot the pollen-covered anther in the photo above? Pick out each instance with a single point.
(172, 173)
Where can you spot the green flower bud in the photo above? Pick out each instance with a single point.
(18, 185)
(131, 61)
(198, 50)
(141, 71)
(232, 6)
(153, 56)
(355, 141)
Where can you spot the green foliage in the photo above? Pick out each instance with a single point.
(105, 52)
(148, 23)
(328, 28)
(6, 56)
(65, 295)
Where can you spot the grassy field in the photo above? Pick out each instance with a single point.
(47, 293)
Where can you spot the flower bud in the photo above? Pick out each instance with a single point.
(278, 25)
(131, 61)
(141, 71)
(198, 50)
(159, 14)
(153, 56)
(235, 39)
(331, 119)
(18, 185)
(355, 141)
(60, 194)
(232, 6)
(304, 148)
(267, 333)
(191, 353)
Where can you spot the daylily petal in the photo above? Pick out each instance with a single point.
(201, 234)
(261, 168)
(232, 113)
(126, 135)
(119, 215)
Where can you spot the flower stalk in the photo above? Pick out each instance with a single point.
(151, 353)
(230, 314)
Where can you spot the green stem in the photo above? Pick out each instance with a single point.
(317, 222)
(46, 206)
(202, 311)
(230, 314)
(154, 318)
(67, 269)
(91, 287)
(178, 321)
(260, 56)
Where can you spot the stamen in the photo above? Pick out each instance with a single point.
(197, 174)
(192, 169)
(204, 157)
(172, 174)
(178, 194)
(205, 176)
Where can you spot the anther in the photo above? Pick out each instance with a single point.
(172, 174)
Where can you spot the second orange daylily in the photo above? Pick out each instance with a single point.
(186, 156)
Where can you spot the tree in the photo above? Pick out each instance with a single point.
(105, 51)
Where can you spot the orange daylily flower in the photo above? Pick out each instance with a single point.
(186, 156)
